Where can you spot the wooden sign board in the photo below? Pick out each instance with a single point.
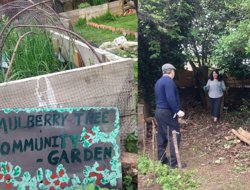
(60, 148)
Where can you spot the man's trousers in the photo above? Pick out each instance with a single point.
(165, 118)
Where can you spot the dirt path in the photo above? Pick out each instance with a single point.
(214, 162)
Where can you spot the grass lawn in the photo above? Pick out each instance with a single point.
(128, 22)
(98, 36)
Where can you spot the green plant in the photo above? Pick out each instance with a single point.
(128, 184)
(238, 169)
(107, 17)
(35, 54)
(132, 143)
(98, 2)
(170, 179)
(83, 5)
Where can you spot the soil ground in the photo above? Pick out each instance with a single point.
(214, 162)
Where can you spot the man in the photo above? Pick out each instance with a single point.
(167, 110)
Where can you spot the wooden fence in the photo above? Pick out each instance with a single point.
(186, 79)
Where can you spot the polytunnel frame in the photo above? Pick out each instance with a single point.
(43, 26)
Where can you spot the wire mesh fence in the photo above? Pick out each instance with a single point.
(103, 85)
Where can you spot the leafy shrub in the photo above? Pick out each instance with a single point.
(83, 5)
(170, 180)
(98, 2)
(132, 143)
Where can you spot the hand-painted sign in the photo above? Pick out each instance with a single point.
(59, 148)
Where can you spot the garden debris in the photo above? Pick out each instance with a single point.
(149, 119)
(229, 138)
(237, 147)
(242, 135)
(130, 165)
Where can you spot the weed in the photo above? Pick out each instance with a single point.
(132, 143)
(238, 169)
(128, 184)
(170, 179)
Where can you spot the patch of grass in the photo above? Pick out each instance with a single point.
(128, 22)
(98, 36)
(168, 179)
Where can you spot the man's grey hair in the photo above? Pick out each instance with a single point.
(167, 71)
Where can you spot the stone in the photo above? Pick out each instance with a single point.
(131, 47)
(68, 6)
(131, 4)
(120, 40)
(106, 45)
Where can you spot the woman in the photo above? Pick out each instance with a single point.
(215, 86)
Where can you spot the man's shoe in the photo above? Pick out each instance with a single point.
(183, 165)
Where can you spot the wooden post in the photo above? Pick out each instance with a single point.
(153, 146)
(177, 152)
(57, 45)
(170, 164)
(155, 137)
(78, 62)
(144, 135)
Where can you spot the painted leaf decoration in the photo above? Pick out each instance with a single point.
(17, 171)
(39, 174)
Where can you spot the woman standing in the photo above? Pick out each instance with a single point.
(215, 86)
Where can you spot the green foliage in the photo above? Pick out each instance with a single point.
(238, 169)
(132, 143)
(107, 17)
(83, 5)
(35, 54)
(128, 184)
(169, 179)
(162, 25)
(98, 2)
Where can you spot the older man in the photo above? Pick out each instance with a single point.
(167, 110)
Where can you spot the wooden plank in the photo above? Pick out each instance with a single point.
(116, 7)
(57, 45)
(72, 15)
(82, 13)
(78, 62)
(96, 11)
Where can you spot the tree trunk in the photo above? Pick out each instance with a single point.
(201, 77)
(130, 165)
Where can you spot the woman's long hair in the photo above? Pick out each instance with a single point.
(220, 77)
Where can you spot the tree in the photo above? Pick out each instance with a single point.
(231, 53)
(162, 26)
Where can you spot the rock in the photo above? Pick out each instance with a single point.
(114, 50)
(131, 47)
(106, 45)
(119, 41)
(135, 59)
(131, 4)
(68, 6)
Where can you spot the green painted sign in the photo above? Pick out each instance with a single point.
(59, 148)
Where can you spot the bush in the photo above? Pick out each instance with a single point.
(83, 5)
(98, 2)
